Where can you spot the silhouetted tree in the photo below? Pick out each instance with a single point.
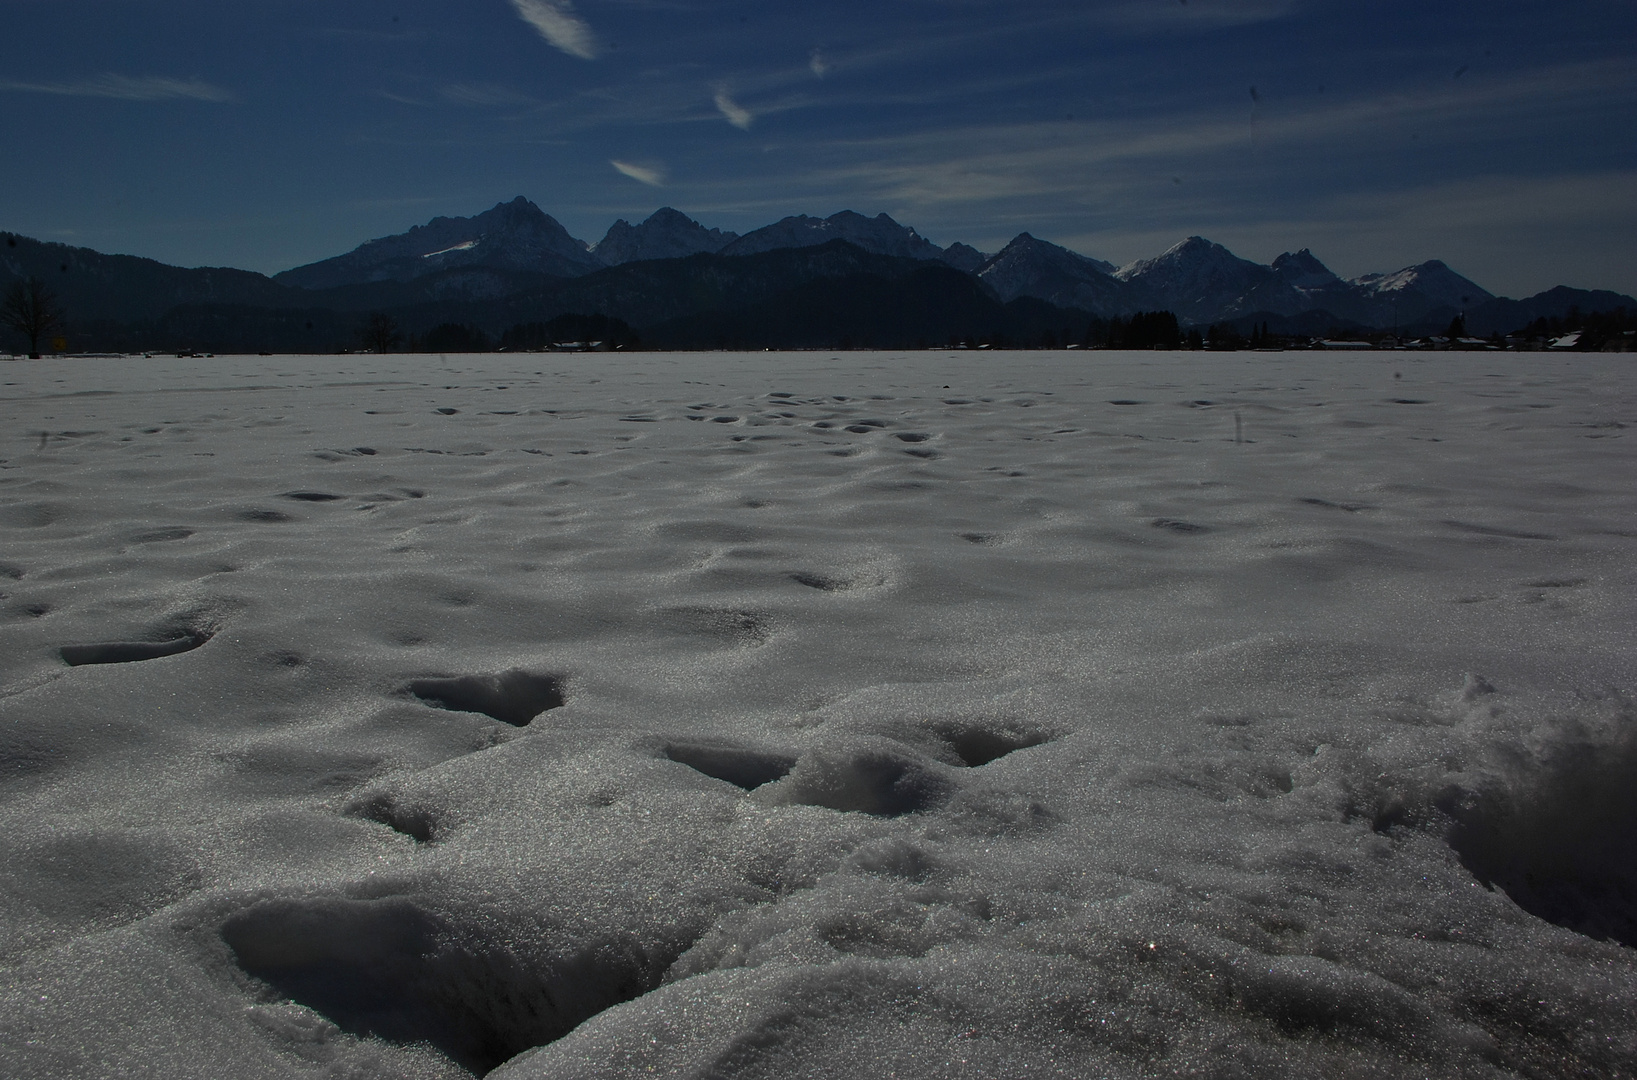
(381, 333)
(1223, 338)
(31, 309)
(1146, 330)
(1457, 328)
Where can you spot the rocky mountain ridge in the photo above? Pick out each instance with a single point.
(515, 262)
(1200, 281)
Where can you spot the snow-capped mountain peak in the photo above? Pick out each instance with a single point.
(1194, 257)
(1032, 267)
(514, 235)
(1195, 278)
(1432, 279)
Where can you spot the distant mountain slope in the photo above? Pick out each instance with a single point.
(1505, 316)
(880, 235)
(1031, 267)
(964, 257)
(512, 236)
(515, 264)
(930, 305)
(1196, 279)
(656, 290)
(91, 285)
(1431, 282)
(666, 234)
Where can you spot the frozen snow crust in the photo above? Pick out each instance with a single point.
(916, 715)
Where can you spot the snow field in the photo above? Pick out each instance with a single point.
(1044, 714)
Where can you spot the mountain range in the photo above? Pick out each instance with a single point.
(516, 264)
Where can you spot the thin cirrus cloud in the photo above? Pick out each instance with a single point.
(736, 114)
(651, 175)
(560, 26)
(483, 94)
(127, 88)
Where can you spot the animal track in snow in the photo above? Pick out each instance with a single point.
(1351, 508)
(417, 823)
(977, 744)
(160, 536)
(878, 781)
(128, 652)
(741, 766)
(724, 625)
(834, 582)
(512, 697)
(1490, 530)
(819, 581)
(391, 970)
(1175, 525)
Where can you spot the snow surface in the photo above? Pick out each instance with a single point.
(466, 246)
(919, 715)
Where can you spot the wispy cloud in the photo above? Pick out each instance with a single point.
(559, 25)
(1191, 14)
(652, 175)
(817, 64)
(736, 114)
(484, 94)
(127, 88)
(994, 163)
(401, 99)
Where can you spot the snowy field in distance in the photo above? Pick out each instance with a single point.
(916, 715)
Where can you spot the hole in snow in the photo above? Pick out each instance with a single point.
(415, 822)
(128, 652)
(979, 744)
(739, 765)
(512, 697)
(820, 582)
(387, 969)
(876, 781)
(1562, 843)
(160, 536)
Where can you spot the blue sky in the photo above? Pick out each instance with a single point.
(1497, 136)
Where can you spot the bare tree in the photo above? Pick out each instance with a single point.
(31, 309)
(382, 333)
